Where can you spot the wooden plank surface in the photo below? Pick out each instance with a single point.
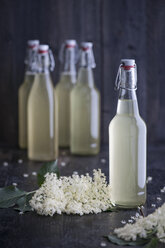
(126, 28)
(67, 231)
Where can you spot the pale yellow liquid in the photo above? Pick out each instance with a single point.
(42, 128)
(85, 115)
(127, 156)
(23, 94)
(62, 95)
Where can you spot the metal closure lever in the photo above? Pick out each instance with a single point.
(118, 79)
(52, 60)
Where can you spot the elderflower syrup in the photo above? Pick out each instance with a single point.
(42, 126)
(24, 91)
(85, 107)
(63, 89)
(127, 143)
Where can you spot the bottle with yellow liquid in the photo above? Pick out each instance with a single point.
(85, 107)
(24, 89)
(42, 126)
(63, 89)
(127, 143)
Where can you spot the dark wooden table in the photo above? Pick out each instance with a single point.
(63, 231)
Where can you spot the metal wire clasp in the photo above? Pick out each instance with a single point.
(61, 53)
(118, 79)
(52, 60)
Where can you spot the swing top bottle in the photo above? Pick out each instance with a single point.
(127, 143)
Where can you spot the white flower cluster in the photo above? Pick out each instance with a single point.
(143, 225)
(72, 195)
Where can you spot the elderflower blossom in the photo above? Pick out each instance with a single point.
(72, 195)
(143, 225)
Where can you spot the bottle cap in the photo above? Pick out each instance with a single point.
(86, 45)
(126, 82)
(43, 49)
(33, 43)
(127, 63)
(70, 43)
(86, 56)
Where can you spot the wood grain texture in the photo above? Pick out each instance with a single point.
(67, 231)
(119, 29)
(123, 37)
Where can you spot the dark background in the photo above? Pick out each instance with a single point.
(118, 28)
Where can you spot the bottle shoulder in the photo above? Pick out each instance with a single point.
(127, 120)
(27, 83)
(85, 88)
(42, 86)
(85, 92)
(64, 85)
(43, 80)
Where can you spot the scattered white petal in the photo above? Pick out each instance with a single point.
(153, 205)
(34, 173)
(137, 215)
(130, 221)
(103, 160)
(20, 161)
(25, 175)
(158, 198)
(149, 179)
(162, 190)
(123, 222)
(103, 244)
(75, 172)
(63, 164)
(21, 213)
(133, 217)
(5, 164)
(14, 184)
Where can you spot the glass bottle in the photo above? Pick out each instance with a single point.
(63, 89)
(127, 143)
(42, 126)
(24, 89)
(85, 107)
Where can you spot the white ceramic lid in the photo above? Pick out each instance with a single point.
(70, 42)
(43, 48)
(128, 62)
(33, 43)
(86, 45)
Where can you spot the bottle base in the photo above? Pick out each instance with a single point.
(22, 146)
(64, 146)
(128, 206)
(41, 158)
(85, 153)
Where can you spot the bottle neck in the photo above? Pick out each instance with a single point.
(126, 83)
(68, 77)
(69, 67)
(127, 102)
(85, 76)
(31, 61)
(43, 63)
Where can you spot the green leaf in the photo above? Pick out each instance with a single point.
(153, 243)
(151, 233)
(115, 240)
(47, 168)
(9, 196)
(23, 203)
